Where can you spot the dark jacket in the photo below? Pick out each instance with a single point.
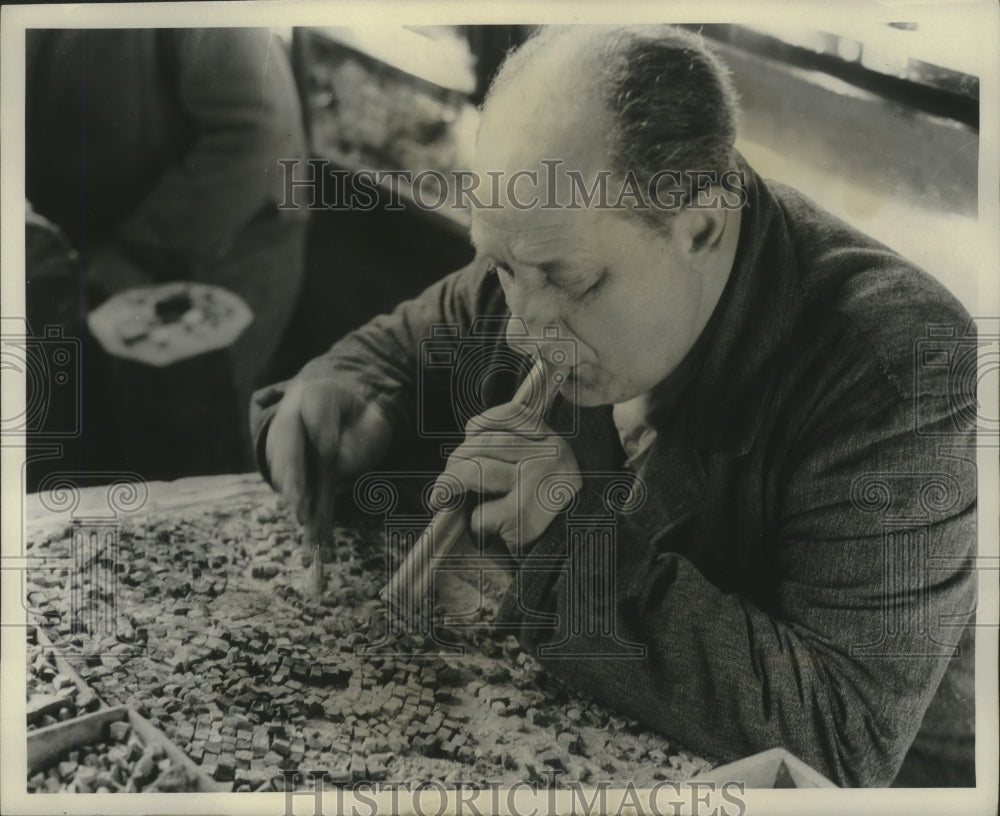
(795, 566)
(164, 141)
(163, 144)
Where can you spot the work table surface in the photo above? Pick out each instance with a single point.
(192, 604)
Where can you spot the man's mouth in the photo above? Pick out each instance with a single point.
(576, 376)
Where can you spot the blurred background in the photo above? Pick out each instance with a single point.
(878, 122)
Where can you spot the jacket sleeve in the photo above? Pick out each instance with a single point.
(381, 361)
(236, 89)
(870, 582)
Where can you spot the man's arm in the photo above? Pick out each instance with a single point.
(841, 665)
(379, 362)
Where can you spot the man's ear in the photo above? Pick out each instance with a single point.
(700, 230)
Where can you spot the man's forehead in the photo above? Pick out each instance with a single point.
(531, 233)
(540, 148)
(535, 200)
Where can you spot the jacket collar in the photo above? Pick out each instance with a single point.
(730, 392)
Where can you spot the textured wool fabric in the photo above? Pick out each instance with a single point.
(792, 563)
(163, 145)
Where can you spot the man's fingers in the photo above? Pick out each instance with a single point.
(320, 525)
(286, 455)
(299, 470)
(511, 418)
(519, 526)
(505, 447)
(296, 480)
(498, 517)
(476, 475)
(321, 479)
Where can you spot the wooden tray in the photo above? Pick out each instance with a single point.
(62, 665)
(776, 768)
(45, 744)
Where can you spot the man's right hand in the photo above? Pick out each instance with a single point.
(321, 435)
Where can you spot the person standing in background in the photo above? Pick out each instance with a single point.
(156, 152)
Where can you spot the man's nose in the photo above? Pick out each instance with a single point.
(534, 339)
(534, 305)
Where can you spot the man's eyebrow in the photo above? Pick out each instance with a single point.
(548, 268)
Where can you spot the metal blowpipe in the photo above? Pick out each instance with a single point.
(410, 586)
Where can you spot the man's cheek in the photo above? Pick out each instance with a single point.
(596, 332)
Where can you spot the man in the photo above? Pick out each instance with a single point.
(751, 366)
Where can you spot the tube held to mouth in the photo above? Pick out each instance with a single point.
(411, 584)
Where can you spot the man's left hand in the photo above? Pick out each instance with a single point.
(507, 468)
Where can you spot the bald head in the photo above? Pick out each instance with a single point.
(540, 107)
(622, 99)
